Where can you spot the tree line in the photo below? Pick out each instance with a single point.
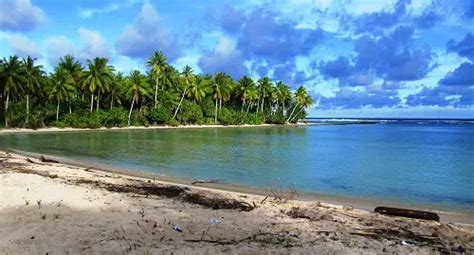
(96, 95)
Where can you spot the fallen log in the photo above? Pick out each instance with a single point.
(408, 213)
(47, 160)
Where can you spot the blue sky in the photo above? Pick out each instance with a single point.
(357, 58)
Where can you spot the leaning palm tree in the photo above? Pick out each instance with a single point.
(13, 78)
(33, 75)
(157, 63)
(137, 87)
(61, 88)
(187, 78)
(98, 77)
(302, 100)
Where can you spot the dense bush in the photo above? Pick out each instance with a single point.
(160, 115)
(190, 113)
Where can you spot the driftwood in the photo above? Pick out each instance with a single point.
(407, 213)
(47, 160)
(201, 181)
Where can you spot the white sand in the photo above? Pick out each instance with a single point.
(56, 209)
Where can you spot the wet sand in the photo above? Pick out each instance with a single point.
(55, 208)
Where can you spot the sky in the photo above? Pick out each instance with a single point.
(366, 58)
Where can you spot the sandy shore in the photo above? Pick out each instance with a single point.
(54, 208)
(56, 129)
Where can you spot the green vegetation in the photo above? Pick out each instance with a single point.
(97, 96)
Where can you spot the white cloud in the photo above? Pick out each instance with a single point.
(23, 47)
(57, 47)
(147, 35)
(94, 44)
(19, 15)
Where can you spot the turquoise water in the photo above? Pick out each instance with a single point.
(428, 164)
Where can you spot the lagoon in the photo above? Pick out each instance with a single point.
(428, 164)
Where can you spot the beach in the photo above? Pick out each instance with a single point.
(53, 208)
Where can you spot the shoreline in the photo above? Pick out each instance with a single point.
(70, 129)
(367, 204)
(55, 208)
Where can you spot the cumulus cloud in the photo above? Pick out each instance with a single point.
(223, 58)
(23, 47)
(461, 76)
(442, 96)
(392, 56)
(376, 21)
(339, 68)
(464, 48)
(147, 35)
(348, 98)
(275, 40)
(19, 15)
(94, 44)
(57, 47)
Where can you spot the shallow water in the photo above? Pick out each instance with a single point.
(430, 164)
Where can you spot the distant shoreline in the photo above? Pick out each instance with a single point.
(56, 129)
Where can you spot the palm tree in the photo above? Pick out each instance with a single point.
(283, 94)
(220, 89)
(137, 87)
(115, 86)
(244, 85)
(13, 79)
(199, 89)
(157, 63)
(62, 85)
(98, 77)
(75, 69)
(33, 75)
(264, 87)
(302, 100)
(188, 79)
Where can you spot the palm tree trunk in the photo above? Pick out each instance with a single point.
(294, 116)
(7, 101)
(57, 111)
(98, 100)
(215, 115)
(294, 108)
(131, 109)
(112, 101)
(248, 108)
(242, 107)
(220, 103)
(258, 103)
(156, 91)
(276, 111)
(179, 105)
(70, 109)
(92, 101)
(27, 107)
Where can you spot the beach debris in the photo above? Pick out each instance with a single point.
(407, 243)
(203, 181)
(310, 214)
(47, 160)
(177, 228)
(214, 222)
(408, 213)
(39, 203)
